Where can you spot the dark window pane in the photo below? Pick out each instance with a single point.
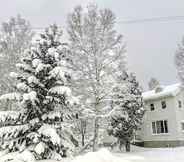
(158, 124)
(163, 104)
(179, 104)
(166, 126)
(162, 127)
(182, 126)
(153, 127)
(152, 107)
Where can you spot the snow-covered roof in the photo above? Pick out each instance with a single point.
(166, 91)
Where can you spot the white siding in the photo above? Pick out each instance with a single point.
(179, 114)
(168, 114)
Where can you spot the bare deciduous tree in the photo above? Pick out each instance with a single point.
(179, 61)
(98, 52)
(15, 37)
(153, 83)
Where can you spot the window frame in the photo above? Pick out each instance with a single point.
(161, 129)
(179, 104)
(163, 104)
(152, 107)
(182, 126)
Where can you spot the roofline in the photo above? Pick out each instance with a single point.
(159, 97)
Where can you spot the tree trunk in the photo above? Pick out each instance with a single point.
(83, 131)
(121, 142)
(127, 146)
(95, 140)
(83, 142)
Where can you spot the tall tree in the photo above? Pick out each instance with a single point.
(43, 92)
(153, 83)
(15, 37)
(97, 50)
(128, 111)
(179, 61)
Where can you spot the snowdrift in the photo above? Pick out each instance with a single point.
(103, 155)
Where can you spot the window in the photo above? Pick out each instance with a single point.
(154, 127)
(163, 104)
(166, 126)
(160, 126)
(152, 107)
(182, 126)
(179, 104)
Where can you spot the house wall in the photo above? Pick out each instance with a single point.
(158, 144)
(179, 114)
(160, 114)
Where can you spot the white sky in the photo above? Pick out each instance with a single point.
(151, 46)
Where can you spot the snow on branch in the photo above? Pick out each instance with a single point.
(53, 116)
(24, 67)
(12, 132)
(41, 67)
(59, 72)
(50, 132)
(14, 75)
(61, 90)
(10, 117)
(31, 96)
(57, 116)
(32, 79)
(22, 86)
(36, 62)
(11, 96)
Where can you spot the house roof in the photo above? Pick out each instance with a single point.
(165, 91)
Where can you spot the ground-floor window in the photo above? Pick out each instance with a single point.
(159, 127)
(182, 126)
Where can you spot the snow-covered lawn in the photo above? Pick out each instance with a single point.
(138, 154)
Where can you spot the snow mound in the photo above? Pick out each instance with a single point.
(26, 156)
(40, 148)
(103, 155)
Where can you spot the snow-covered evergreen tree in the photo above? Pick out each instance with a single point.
(45, 98)
(128, 111)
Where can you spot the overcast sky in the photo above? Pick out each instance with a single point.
(150, 45)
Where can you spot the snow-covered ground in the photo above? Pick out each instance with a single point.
(138, 154)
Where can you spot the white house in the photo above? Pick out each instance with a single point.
(163, 123)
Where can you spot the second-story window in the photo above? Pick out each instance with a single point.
(163, 103)
(152, 107)
(179, 104)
